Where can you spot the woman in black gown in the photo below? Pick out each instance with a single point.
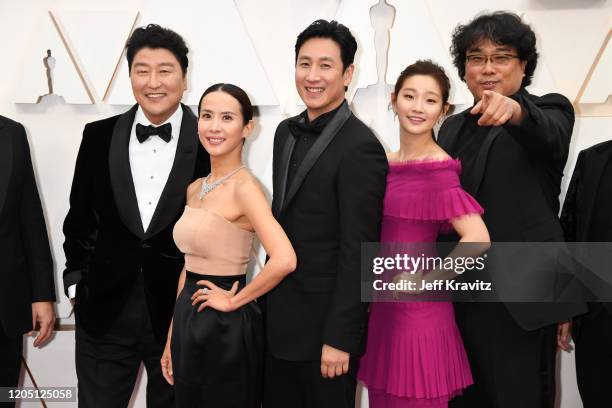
(215, 343)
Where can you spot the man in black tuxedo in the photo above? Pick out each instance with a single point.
(513, 147)
(586, 217)
(329, 180)
(27, 288)
(129, 186)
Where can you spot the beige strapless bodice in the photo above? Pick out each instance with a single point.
(212, 245)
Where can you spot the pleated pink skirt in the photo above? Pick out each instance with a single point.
(415, 356)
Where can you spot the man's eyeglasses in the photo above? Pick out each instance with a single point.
(480, 60)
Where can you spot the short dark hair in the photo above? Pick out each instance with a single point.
(500, 27)
(429, 68)
(154, 36)
(246, 108)
(336, 32)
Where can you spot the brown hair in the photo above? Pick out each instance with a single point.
(425, 67)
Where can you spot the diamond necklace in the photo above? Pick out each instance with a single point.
(207, 188)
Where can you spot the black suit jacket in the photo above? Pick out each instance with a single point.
(106, 247)
(26, 274)
(333, 205)
(578, 207)
(517, 180)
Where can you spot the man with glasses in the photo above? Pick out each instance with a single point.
(513, 147)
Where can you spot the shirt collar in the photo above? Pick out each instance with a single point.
(301, 123)
(323, 118)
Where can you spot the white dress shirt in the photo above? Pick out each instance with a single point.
(150, 164)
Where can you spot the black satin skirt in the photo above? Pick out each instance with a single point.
(217, 357)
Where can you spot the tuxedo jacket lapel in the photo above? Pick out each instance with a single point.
(280, 182)
(591, 179)
(121, 174)
(6, 164)
(181, 174)
(473, 180)
(319, 146)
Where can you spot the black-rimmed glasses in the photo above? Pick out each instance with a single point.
(480, 60)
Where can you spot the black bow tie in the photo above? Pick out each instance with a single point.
(163, 131)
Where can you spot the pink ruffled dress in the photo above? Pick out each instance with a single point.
(415, 355)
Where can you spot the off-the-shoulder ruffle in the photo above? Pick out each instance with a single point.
(425, 165)
(441, 205)
(428, 191)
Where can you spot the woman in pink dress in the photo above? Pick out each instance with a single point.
(415, 355)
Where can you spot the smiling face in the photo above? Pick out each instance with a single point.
(221, 125)
(158, 83)
(419, 104)
(504, 79)
(319, 76)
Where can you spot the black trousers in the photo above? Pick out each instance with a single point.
(299, 384)
(107, 366)
(511, 367)
(593, 339)
(11, 348)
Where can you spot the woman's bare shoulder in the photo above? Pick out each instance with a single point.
(194, 187)
(439, 153)
(245, 185)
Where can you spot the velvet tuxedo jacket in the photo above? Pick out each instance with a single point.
(26, 274)
(333, 205)
(106, 247)
(579, 204)
(517, 180)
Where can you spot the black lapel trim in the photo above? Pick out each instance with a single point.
(121, 173)
(6, 164)
(473, 180)
(593, 172)
(328, 134)
(280, 187)
(172, 198)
